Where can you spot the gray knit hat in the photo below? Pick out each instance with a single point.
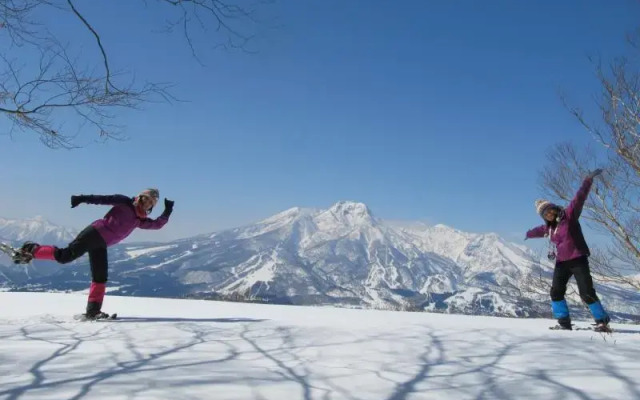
(543, 205)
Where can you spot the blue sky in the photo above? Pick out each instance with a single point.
(427, 110)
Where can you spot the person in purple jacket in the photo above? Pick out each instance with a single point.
(125, 215)
(569, 249)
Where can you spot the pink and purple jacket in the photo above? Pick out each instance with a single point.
(121, 219)
(567, 234)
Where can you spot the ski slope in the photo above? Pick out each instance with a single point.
(188, 349)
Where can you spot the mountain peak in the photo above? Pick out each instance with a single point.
(347, 213)
(337, 255)
(288, 215)
(351, 207)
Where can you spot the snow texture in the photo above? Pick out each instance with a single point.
(190, 349)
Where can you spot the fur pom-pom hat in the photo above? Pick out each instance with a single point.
(543, 205)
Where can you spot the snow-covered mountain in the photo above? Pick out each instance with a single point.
(36, 229)
(341, 255)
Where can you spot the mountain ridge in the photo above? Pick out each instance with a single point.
(342, 255)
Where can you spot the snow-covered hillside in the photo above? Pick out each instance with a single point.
(341, 255)
(188, 349)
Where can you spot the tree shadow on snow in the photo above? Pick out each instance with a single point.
(422, 362)
(67, 341)
(502, 379)
(178, 320)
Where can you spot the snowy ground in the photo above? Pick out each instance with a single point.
(186, 349)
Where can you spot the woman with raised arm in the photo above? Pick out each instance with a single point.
(569, 249)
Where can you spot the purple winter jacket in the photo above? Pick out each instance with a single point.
(121, 219)
(567, 235)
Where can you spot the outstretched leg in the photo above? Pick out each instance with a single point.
(89, 240)
(86, 240)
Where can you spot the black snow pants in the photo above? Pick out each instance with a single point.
(578, 267)
(89, 240)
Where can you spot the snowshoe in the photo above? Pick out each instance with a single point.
(564, 324)
(599, 327)
(18, 256)
(7, 249)
(602, 327)
(95, 317)
(559, 327)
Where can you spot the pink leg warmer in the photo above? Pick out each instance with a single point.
(96, 292)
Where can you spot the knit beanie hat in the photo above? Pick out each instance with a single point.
(542, 206)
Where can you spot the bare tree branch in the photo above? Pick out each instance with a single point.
(55, 85)
(59, 85)
(108, 84)
(607, 209)
(614, 204)
(228, 20)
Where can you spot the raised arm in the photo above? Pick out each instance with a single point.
(112, 199)
(574, 209)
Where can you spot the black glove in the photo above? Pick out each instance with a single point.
(595, 173)
(75, 200)
(168, 206)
